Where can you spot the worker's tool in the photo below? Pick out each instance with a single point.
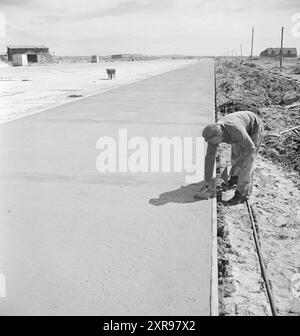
(206, 191)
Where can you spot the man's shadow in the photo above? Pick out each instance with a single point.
(184, 194)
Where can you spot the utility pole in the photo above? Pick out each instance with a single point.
(281, 54)
(241, 53)
(252, 41)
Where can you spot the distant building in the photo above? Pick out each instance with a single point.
(34, 54)
(275, 52)
(128, 57)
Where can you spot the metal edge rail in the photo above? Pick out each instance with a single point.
(261, 262)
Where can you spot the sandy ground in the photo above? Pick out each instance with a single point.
(275, 202)
(28, 90)
(242, 289)
(275, 198)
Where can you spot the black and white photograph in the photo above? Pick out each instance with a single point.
(149, 161)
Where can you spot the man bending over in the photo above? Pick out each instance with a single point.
(243, 130)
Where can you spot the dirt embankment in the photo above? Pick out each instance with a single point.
(275, 197)
(274, 97)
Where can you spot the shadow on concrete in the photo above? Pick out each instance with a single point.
(184, 194)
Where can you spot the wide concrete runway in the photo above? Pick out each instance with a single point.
(74, 241)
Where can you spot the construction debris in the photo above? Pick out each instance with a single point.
(274, 97)
(297, 69)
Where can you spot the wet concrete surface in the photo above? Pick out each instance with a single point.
(78, 242)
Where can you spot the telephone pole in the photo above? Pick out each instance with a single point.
(241, 53)
(252, 41)
(281, 51)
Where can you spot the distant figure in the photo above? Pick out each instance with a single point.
(244, 131)
(111, 73)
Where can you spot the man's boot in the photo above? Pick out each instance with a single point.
(236, 199)
(231, 183)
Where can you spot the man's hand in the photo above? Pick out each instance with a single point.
(208, 184)
(207, 190)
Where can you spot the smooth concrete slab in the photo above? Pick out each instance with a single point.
(77, 242)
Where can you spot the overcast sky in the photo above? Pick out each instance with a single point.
(194, 27)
